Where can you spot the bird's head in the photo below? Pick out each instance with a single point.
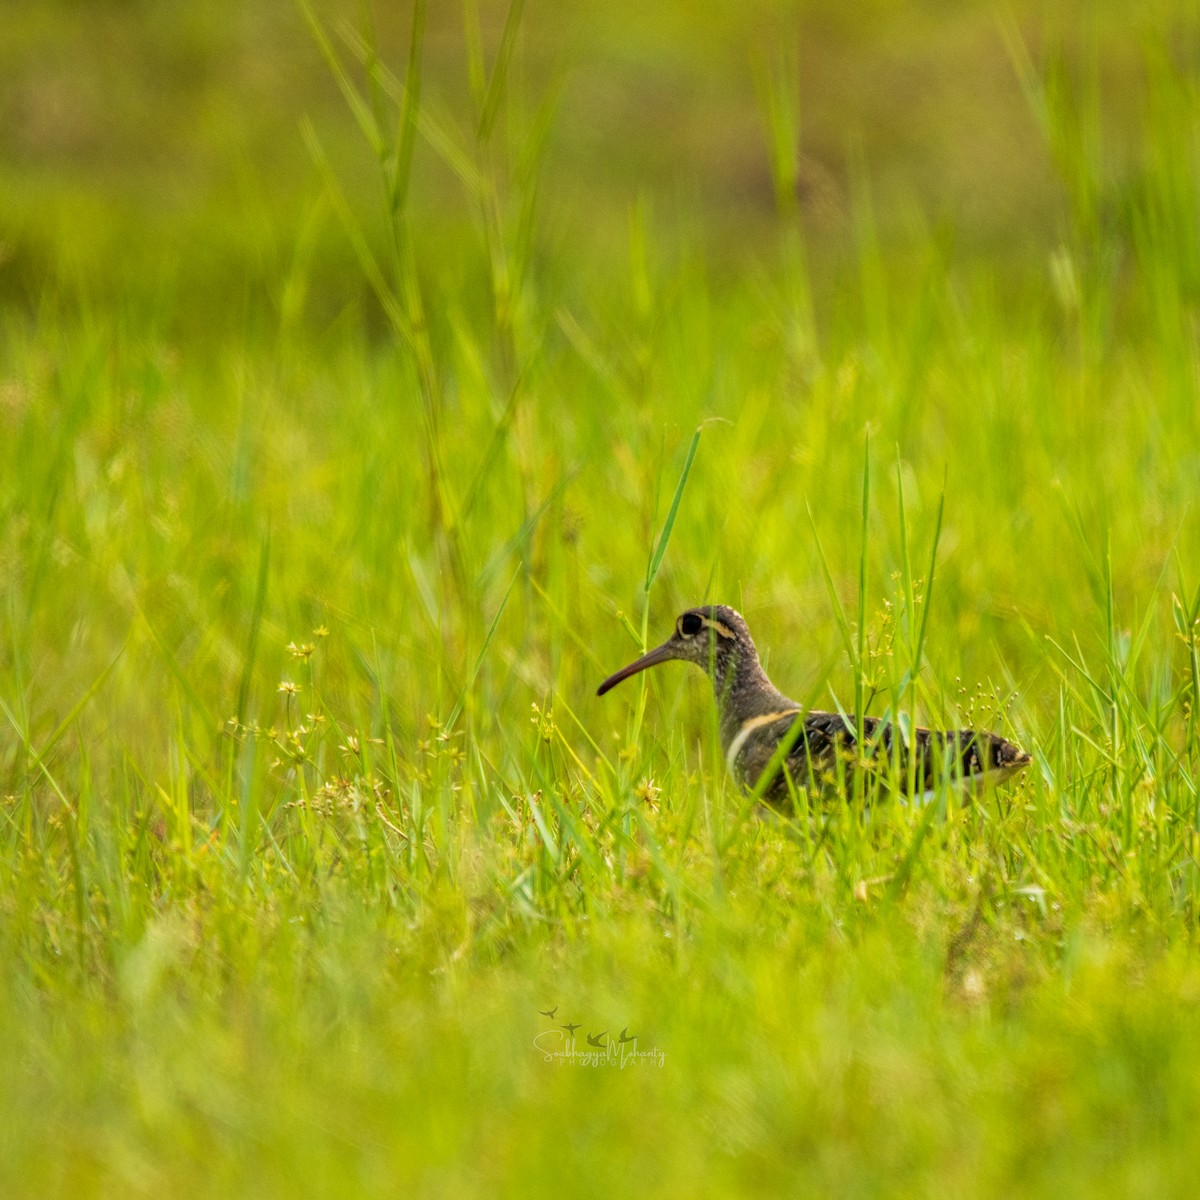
(714, 637)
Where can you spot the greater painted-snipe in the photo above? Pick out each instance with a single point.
(755, 717)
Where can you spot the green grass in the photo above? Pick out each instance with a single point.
(308, 807)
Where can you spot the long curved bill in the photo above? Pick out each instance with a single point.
(650, 659)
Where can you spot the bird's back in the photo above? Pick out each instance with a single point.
(824, 751)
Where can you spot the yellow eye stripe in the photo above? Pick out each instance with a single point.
(720, 627)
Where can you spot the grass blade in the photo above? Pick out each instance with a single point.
(410, 107)
(353, 97)
(673, 512)
(260, 598)
(928, 599)
(860, 686)
(487, 641)
(499, 79)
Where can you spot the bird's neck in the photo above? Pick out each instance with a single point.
(743, 691)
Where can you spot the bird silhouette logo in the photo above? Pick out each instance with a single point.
(597, 1039)
(625, 1036)
(549, 1014)
(570, 1029)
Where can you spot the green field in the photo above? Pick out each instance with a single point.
(367, 398)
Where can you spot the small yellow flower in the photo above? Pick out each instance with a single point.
(288, 688)
(647, 791)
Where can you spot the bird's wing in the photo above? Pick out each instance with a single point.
(963, 753)
(812, 761)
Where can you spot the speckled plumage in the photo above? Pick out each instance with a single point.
(755, 716)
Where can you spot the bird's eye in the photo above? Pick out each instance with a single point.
(690, 624)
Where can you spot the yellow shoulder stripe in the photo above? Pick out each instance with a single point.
(748, 727)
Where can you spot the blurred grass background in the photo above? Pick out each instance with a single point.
(269, 419)
(182, 134)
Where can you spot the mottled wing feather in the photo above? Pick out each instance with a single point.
(813, 760)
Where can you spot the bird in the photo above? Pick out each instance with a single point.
(549, 1013)
(625, 1036)
(570, 1028)
(597, 1039)
(755, 717)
